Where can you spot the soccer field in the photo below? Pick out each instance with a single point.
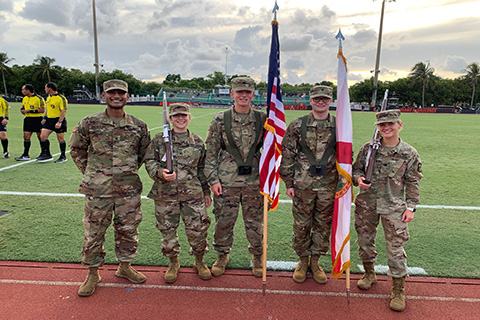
(44, 220)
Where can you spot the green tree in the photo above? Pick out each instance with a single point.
(362, 91)
(202, 82)
(473, 74)
(134, 85)
(402, 89)
(422, 72)
(5, 70)
(217, 78)
(172, 80)
(151, 87)
(45, 70)
(443, 93)
(73, 78)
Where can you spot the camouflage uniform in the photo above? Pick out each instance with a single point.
(220, 166)
(314, 194)
(395, 179)
(182, 197)
(109, 153)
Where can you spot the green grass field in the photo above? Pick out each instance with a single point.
(444, 242)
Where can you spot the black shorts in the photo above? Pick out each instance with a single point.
(50, 125)
(2, 127)
(32, 124)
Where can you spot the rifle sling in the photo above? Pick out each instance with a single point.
(232, 147)
(329, 150)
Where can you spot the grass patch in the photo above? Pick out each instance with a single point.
(44, 228)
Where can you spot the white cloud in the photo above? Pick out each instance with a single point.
(154, 38)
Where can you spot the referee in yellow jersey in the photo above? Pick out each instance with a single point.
(33, 108)
(53, 120)
(4, 111)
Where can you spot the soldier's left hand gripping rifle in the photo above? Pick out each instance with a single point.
(374, 145)
(167, 136)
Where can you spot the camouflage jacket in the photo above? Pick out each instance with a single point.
(395, 178)
(295, 166)
(220, 165)
(188, 164)
(109, 154)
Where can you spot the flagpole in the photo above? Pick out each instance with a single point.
(347, 274)
(266, 200)
(341, 38)
(264, 256)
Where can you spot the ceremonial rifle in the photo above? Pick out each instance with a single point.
(374, 145)
(167, 136)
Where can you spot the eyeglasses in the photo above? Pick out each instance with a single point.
(321, 99)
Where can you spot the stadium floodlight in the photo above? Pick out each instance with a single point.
(377, 60)
(96, 64)
(226, 62)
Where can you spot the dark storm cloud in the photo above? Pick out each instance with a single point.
(455, 64)
(302, 43)
(245, 37)
(56, 12)
(47, 35)
(3, 26)
(294, 63)
(364, 37)
(6, 5)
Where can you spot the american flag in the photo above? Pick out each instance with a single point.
(275, 127)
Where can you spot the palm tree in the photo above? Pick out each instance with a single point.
(44, 69)
(424, 72)
(4, 59)
(473, 73)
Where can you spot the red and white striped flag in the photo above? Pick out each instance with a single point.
(340, 241)
(275, 127)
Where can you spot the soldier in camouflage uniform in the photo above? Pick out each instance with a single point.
(231, 166)
(183, 193)
(310, 175)
(391, 196)
(108, 148)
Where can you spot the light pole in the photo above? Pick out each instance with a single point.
(96, 64)
(226, 60)
(377, 60)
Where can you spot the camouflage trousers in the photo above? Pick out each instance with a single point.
(396, 236)
(226, 209)
(97, 219)
(312, 221)
(195, 218)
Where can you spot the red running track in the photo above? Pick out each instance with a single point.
(33, 290)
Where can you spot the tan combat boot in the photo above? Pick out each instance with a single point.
(369, 276)
(300, 273)
(172, 271)
(126, 271)
(201, 268)
(318, 274)
(398, 294)
(257, 265)
(88, 286)
(218, 267)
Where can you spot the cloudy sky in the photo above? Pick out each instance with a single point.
(152, 38)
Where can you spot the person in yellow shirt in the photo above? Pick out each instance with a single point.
(53, 120)
(4, 111)
(33, 107)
